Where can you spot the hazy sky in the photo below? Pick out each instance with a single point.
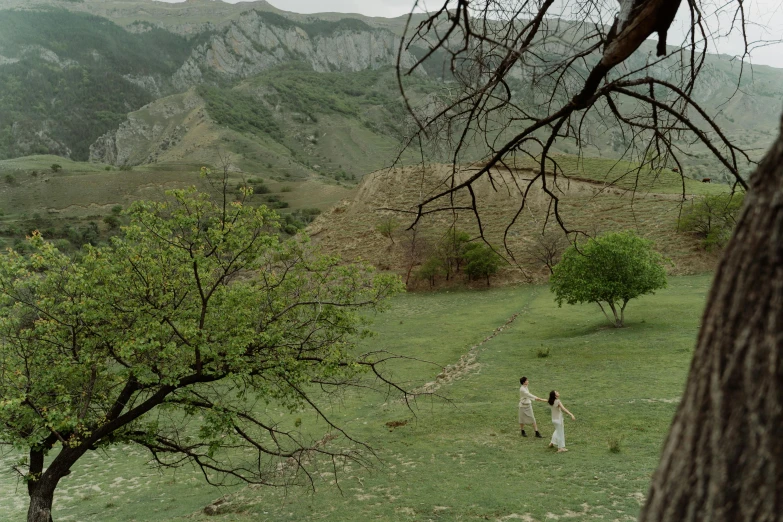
(766, 18)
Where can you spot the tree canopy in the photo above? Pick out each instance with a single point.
(480, 261)
(612, 269)
(172, 336)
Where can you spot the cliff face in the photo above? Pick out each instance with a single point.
(257, 41)
(149, 132)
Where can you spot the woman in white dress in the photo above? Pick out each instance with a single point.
(558, 437)
(526, 415)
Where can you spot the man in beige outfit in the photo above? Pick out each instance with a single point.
(526, 415)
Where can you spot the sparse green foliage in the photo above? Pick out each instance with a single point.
(116, 210)
(159, 318)
(306, 215)
(712, 218)
(10, 179)
(612, 269)
(542, 353)
(430, 269)
(480, 261)
(56, 167)
(387, 227)
(451, 249)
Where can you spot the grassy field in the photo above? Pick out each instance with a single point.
(461, 459)
(81, 194)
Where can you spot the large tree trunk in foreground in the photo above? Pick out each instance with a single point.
(41, 498)
(723, 460)
(42, 484)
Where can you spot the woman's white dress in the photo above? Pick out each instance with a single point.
(558, 437)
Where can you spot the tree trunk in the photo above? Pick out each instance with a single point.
(41, 498)
(723, 460)
(618, 322)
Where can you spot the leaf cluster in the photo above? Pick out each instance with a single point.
(174, 334)
(613, 268)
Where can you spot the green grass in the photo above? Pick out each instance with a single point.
(460, 459)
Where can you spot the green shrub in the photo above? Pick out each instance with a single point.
(712, 218)
(112, 222)
(481, 261)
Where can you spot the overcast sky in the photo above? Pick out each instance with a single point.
(766, 13)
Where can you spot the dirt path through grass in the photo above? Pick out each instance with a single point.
(468, 362)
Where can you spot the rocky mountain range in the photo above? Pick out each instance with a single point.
(121, 82)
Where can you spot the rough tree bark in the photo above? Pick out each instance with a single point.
(723, 460)
(43, 483)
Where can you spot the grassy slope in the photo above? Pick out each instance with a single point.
(81, 193)
(461, 460)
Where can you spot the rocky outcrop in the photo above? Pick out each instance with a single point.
(147, 133)
(7, 61)
(148, 83)
(48, 55)
(256, 42)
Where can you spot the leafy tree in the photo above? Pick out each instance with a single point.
(387, 227)
(452, 248)
(169, 338)
(56, 167)
(430, 269)
(481, 261)
(712, 218)
(612, 269)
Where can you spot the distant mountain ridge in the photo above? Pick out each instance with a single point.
(93, 72)
(94, 79)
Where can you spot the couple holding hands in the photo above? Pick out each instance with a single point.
(526, 414)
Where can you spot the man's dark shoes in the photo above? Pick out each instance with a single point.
(538, 435)
(523, 433)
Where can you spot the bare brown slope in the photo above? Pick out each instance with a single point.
(349, 229)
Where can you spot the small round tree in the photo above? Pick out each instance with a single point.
(481, 261)
(612, 269)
